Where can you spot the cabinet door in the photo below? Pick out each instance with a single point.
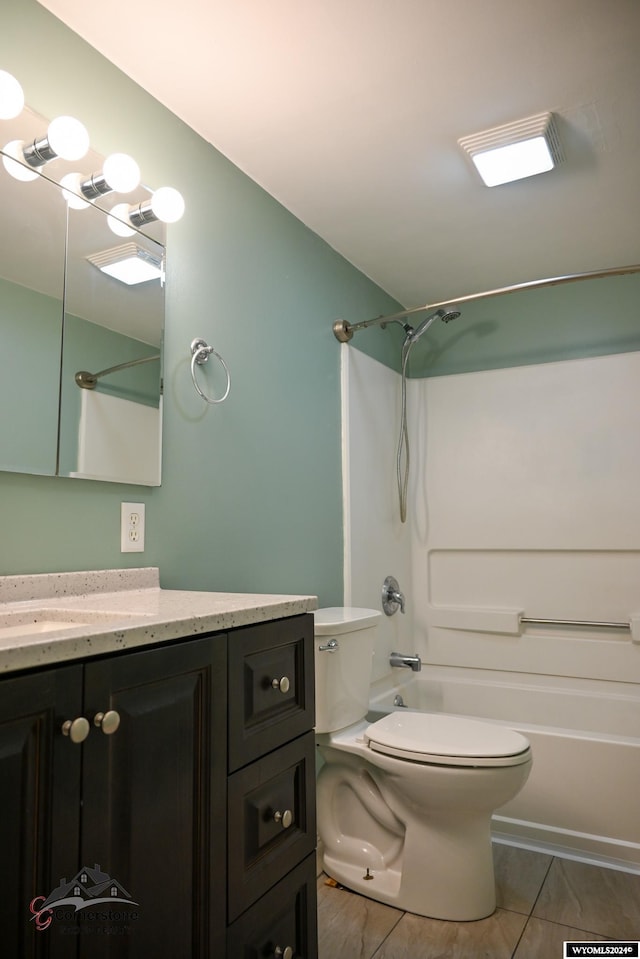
(284, 919)
(154, 800)
(39, 824)
(264, 710)
(272, 820)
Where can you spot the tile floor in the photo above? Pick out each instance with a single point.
(542, 901)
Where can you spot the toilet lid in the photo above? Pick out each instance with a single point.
(447, 740)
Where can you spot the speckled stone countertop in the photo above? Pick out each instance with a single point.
(55, 617)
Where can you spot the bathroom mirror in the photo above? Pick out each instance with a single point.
(61, 315)
(33, 220)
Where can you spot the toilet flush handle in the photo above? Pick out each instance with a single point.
(331, 647)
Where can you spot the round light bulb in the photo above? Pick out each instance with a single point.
(167, 204)
(118, 219)
(121, 172)
(11, 96)
(70, 184)
(11, 156)
(68, 138)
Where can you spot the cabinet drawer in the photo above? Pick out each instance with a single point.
(285, 916)
(270, 686)
(272, 823)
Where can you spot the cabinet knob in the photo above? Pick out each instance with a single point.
(108, 722)
(285, 818)
(280, 953)
(282, 684)
(76, 729)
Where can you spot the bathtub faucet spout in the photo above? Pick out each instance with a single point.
(403, 659)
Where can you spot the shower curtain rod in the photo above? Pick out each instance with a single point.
(343, 331)
(88, 381)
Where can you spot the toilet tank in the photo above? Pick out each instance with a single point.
(343, 672)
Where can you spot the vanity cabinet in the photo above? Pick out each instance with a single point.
(194, 790)
(145, 803)
(271, 903)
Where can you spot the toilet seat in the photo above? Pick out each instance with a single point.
(436, 739)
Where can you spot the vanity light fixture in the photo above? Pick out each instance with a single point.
(11, 96)
(165, 204)
(516, 150)
(129, 263)
(120, 173)
(66, 138)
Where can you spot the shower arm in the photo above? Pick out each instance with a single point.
(343, 331)
(88, 381)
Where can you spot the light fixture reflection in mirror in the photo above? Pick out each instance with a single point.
(11, 96)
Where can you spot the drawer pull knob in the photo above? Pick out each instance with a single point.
(286, 953)
(108, 722)
(77, 729)
(282, 684)
(285, 818)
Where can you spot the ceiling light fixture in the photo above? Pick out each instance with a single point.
(129, 263)
(516, 150)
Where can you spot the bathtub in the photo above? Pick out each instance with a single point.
(582, 798)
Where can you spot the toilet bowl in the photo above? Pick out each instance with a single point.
(405, 803)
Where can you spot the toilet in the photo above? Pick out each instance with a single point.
(405, 803)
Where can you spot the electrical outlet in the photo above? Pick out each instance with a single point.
(131, 527)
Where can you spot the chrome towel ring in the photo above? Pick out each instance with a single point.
(200, 353)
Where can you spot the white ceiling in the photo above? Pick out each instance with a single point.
(349, 112)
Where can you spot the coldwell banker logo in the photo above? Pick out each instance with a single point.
(91, 895)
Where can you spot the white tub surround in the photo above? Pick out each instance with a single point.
(52, 618)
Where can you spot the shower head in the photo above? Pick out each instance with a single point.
(445, 315)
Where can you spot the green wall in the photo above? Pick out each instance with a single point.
(251, 494)
(592, 317)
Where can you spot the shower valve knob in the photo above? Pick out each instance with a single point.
(392, 596)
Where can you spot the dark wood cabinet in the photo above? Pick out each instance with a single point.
(188, 810)
(272, 819)
(154, 795)
(285, 918)
(271, 687)
(40, 774)
(271, 903)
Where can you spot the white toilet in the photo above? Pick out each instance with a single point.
(405, 803)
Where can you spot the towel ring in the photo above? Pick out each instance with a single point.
(200, 353)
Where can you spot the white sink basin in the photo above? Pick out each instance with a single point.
(36, 622)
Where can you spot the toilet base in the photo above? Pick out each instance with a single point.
(422, 830)
(468, 900)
